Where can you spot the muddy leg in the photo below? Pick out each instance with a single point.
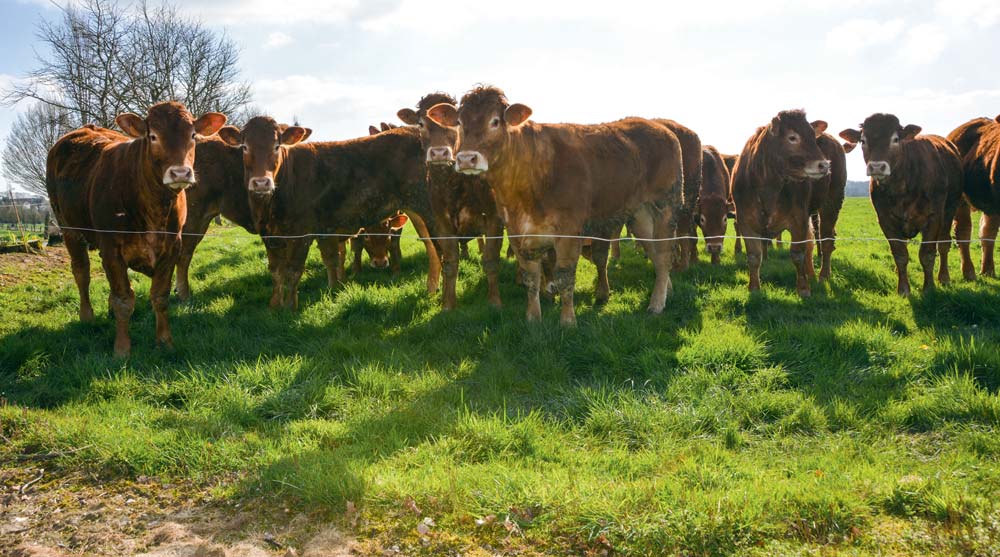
(928, 253)
(159, 297)
(121, 299)
(800, 248)
(963, 234)
(616, 244)
(602, 288)
(988, 226)
(450, 254)
(329, 250)
(490, 255)
(294, 265)
(531, 277)
(754, 255)
(564, 282)
(193, 235)
(902, 257)
(80, 262)
(652, 224)
(276, 250)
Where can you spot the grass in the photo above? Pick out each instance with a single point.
(855, 422)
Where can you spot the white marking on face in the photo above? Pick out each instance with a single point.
(471, 162)
(440, 155)
(261, 185)
(178, 178)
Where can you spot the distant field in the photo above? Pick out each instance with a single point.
(855, 422)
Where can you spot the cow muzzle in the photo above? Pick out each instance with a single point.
(440, 155)
(879, 169)
(817, 169)
(714, 249)
(261, 186)
(178, 178)
(380, 262)
(471, 162)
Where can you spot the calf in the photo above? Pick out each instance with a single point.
(713, 202)
(978, 142)
(463, 204)
(567, 180)
(125, 196)
(781, 178)
(382, 244)
(337, 187)
(916, 187)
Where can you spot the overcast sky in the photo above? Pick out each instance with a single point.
(720, 67)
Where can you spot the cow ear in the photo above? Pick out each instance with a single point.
(231, 136)
(775, 128)
(398, 221)
(850, 135)
(848, 147)
(209, 123)
(293, 135)
(819, 126)
(308, 134)
(131, 124)
(516, 114)
(997, 119)
(444, 114)
(408, 116)
(910, 131)
(386, 127)
(372, 130)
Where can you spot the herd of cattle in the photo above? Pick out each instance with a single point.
(479, 167)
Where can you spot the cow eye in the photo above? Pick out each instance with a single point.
(895, 139)
(495, 122)
(793, 138)
(152, 137)
(245, 148)
(277, 147)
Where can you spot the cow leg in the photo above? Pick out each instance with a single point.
(294, 265)
(943, 247)
(810, 247)
(599, 254)
(490, 256)
(827, 231)
(616, 244)
(341, 260)
(928, 253)
(450, 253)
(754, 254)
(799, 251)
(685, 225)
(357, 249)
(963, 234)
(434, 262)
(276, 251)
(661, 230)
(531, 278)
(988, 226)
(463, 250)
(121, 300)
(564, 282)
(159, 297)
(76, 245)
(329, 250)
(901, 256)
(193, 235)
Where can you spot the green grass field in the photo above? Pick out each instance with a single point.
(855, 422)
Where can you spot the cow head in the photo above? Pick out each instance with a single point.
(379, 238)
(264, 143)
(793, 144)
(485, 122)
(169, 132)
(881, 137)
(439, 141)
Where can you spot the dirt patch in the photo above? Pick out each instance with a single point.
(46, 515)
(16, 268)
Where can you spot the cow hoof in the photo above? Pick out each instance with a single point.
(655, 309)
(805, 293)
(988, 273)
(568, 321)
(87, 315)
(496, 304)
(904, 292)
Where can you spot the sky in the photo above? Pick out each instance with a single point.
(720, 67)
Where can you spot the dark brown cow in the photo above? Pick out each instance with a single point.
(713, 202)
(567, 180)
(916, 187)
(337, 187)
(687, 217)
(463, 205)
(781, 178)
(978, 143)
(133, 185)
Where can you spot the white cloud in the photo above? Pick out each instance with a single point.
(982, 13)
(242, 12)
(278, 39)
(923, 44)
(857, 35)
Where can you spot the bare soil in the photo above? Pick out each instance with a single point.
(16, 268)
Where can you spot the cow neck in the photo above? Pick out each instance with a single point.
(516, 173)
(149, 202)
(897, 184)
(262, 207)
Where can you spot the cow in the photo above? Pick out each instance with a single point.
(463, 204)
(556, 181)
(124, 194)
(687, 217)
(978, 142)
(916, 188)
(220, 191)
(328, 191)
(713, 202)
(783, 177)
(381, 242)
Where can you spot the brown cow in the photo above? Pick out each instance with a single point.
(687, 217)
(382, 244)
(713, 202)
(916, 187)
(133, 185)
(781, 178)
(567, 180)
(463, 205)
(978, 143)
(337, 187)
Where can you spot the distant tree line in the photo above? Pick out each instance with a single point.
(99, 59)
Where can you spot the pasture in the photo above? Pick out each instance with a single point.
(855, 422)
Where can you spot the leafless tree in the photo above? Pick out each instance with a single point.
(31, 136)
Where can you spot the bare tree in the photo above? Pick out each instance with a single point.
(31, 136)
(101, 59)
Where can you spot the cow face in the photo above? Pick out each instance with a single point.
(380, 238)
(713, 221)
(881, 137)
(169, 132)
(485, 122)
(263, 142)
(439, 141)
(793, 140)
